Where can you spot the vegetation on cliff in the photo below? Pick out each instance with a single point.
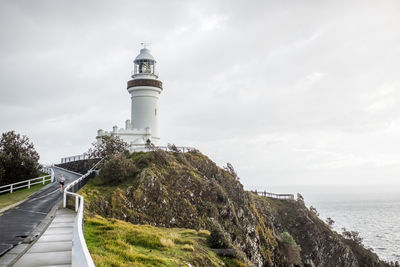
(188, 190)
(117, 243)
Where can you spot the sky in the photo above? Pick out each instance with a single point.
(289, 92)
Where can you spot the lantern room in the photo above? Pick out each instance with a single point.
(144, 64)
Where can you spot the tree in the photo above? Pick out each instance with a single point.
(18, 158)
(108, 146)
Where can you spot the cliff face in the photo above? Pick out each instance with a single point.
(188, 190)
(319, 244)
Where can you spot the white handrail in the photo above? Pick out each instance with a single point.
(75, 158)
(29, 183)
(80, 252)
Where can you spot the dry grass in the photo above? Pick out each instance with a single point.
(204, 233)
(113, 242)
(168, 243)
(187, 247)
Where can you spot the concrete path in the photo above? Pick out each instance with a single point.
(18, 223)
(54, 247)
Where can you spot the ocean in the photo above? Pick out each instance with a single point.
(373, 211)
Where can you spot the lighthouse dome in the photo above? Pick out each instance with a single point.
(144, 55)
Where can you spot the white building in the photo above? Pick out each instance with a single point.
(145, 89)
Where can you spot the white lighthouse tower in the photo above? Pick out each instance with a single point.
(144, 88)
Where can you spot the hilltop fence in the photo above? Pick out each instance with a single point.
(274, 195)
(169, 148)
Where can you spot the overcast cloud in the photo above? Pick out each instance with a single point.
(289, 92)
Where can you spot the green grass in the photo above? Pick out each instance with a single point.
(113, 242)
(18, 195)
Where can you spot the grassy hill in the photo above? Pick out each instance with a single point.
(180, 193)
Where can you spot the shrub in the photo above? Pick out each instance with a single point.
(314, 211)
(290, 248)
(218, 237)
(352, 235)
(116, 170)
(229, 168)
(330, 222)
(300, 198)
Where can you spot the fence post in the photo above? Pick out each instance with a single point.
(65, 199)
(11, 189)
(76, 203)
(43, 179)
(29, 184)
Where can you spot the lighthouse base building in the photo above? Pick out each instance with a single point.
(144, 88)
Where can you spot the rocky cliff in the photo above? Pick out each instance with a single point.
(188, 190)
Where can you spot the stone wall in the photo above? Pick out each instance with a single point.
(79, 166)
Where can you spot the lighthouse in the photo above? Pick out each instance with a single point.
(144, 89)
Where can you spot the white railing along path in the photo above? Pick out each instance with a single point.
(80, 252)
(28, 183)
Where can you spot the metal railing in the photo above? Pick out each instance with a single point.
(75, 158)
(49, 171)
(182, 149)
(274, 195)
(170, 148)
(80, 252)
(27, 183)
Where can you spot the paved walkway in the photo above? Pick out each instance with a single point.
(18, 223)
(54, 247)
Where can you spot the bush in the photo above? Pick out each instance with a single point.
(218, 237)
(18, 158)
(352, 235)
(290, 248)
(117, 169)
(300, 198)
